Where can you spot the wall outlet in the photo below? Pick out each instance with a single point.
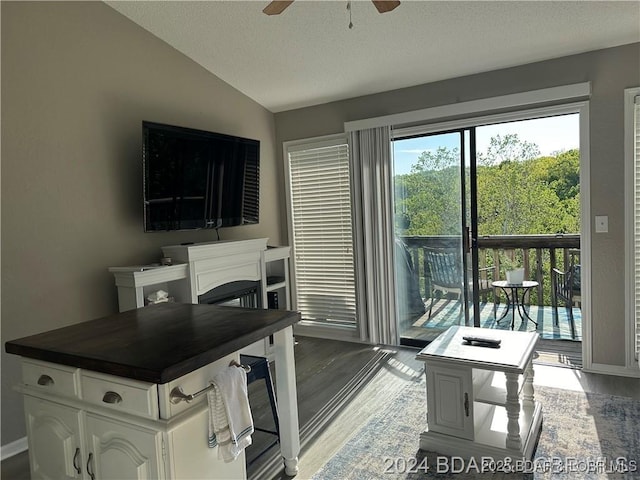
(602, 223)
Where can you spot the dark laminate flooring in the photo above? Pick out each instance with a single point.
(561, 353)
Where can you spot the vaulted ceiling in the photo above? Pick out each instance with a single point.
(308, 55)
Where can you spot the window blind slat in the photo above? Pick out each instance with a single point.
(320, 198)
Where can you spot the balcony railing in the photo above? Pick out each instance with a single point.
(537, 254)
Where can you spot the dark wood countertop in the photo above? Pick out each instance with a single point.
(157, 343)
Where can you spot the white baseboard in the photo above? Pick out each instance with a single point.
(13, 448)
(616, 370)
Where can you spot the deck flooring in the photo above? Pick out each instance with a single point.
(446, 313)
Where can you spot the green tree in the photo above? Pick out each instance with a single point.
(561, 171)
(519, 192)
(430, 194)
(512, 202)
(508, 148)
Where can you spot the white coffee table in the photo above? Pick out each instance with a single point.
(480, 400)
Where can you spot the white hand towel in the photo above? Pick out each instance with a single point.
(230, 420)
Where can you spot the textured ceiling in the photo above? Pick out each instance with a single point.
(308, 55)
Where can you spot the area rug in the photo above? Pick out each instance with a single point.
(584, 435)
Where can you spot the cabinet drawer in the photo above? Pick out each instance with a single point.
(191, 383)
(120, 394)
(51, 377)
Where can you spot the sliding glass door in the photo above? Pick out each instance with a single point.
(473, 206)
(434, 218)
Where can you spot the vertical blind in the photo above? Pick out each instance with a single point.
(320, 200)
(636, 220)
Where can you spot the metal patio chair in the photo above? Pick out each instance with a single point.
(446, 276)
(566, 287)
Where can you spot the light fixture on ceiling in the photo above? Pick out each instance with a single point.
(276, 7)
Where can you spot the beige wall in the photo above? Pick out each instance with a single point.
(77, 80)
(610, 72)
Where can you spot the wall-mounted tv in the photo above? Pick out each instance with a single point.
(197, 179)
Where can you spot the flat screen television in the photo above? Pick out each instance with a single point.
(196, 179)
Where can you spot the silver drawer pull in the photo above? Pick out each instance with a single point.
(112, 397)
(45, 380)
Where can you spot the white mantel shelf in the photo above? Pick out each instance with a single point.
(190, 252)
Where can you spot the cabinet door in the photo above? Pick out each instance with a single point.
(190, 457)
(118, 451)
(450, 401)
(54, 437)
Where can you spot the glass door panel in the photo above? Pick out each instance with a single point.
(501, 196)
(528, 177)
(431, 235)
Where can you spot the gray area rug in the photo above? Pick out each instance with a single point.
(584, 435)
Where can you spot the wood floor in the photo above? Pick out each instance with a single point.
(330, 377)
(560, 353)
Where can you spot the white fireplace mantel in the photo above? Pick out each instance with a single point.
(217, 263)
(198, 268)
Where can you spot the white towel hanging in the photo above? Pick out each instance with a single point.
(230, 420)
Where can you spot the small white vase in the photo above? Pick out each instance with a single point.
(515, 276)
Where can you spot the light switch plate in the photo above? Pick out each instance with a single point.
(602, 223)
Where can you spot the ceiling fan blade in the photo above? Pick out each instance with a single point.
(384, 6)
(277, 7)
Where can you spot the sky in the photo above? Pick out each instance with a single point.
(550, 134)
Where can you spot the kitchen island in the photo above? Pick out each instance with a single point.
(112, 398)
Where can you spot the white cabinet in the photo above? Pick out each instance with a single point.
(108, 450)
(201, 267)
(480, 400)
(55, 442)
(114, 428)
(122, 451)
(148, 416)
(448, 398)
(188, 459)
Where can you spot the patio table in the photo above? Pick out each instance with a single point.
(515, 303)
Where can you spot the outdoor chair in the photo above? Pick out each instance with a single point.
(446, 276)
(566, 289)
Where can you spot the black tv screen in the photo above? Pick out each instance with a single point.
(196, 179)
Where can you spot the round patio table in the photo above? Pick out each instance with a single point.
(515, 302)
